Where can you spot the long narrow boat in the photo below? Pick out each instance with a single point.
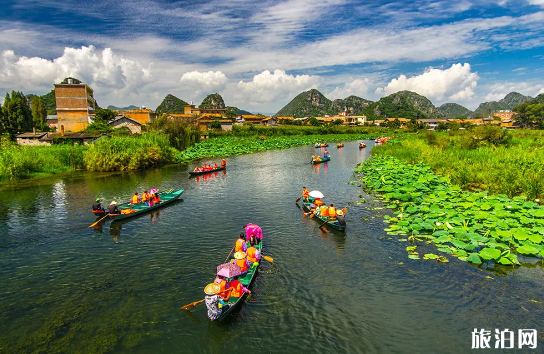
(334, 224)
(246, 281)
(193, 173)
(167, 197)
(321, 161)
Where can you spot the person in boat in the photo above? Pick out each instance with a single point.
(317, 158)
(197, 169)
(97, 206)
(214, 302)
(253, 254)
(215, 167)
(145, 197)
(305, 194)
(322, 211)
(156, 199)
(241, 261)
(224, 287)
(253, 230)
(135, 198)
(340, 217)
(241, 245)
(223, 163)
(238, 289)
(113, 208)
(318, 202)
(326, 154)
(332, 211)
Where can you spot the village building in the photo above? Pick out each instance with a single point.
(504, 115)
(31, 138)
(269, 121)
(186, 118)
(52, 121)
(285, 119)
(204, 124)
(142, 115)
(75, 103)
(191, 109)
(44, 138)
(134, 126)
(355, 120)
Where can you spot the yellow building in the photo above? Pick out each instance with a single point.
(191, 109)
(142, 116)
(75, 102)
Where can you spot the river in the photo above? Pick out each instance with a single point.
(118, 287)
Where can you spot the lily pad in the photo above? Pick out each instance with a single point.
(490, 253)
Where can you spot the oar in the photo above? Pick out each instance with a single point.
(296, 201)
(102, 218)
(194, 304)
(320, 226)
(270, 259)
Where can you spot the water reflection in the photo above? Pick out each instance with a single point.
(210, 176)
(320, 167)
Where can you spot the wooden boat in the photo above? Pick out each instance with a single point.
(167, 197)
(321, 161)
(193, 173)
(246, 281)
(334, 224)
(99, 213)
(340, 145)
(362, 145)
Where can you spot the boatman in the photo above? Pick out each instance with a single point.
(326, 154)
(305, 194)
(340, 217)
(113, 208)
(214, 302)
(253, 230)
(97, 206)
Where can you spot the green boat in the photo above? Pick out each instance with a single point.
(334, 224)
(246, 281)
(321, 161)
(167, 197)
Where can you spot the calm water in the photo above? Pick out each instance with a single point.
(118, 287)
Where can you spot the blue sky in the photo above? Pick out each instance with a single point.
(260, 54)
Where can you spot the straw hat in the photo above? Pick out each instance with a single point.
(339, 212)
(113, 202)
(212, 289)
(239, 255)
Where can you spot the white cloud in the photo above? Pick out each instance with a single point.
(267, 86)
(536, 2)
(204, 81)
(101, 70)
(499, 90)
(456, 83)
(541, 91)
(356, 87)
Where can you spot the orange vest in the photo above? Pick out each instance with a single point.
(241, 263)
(305, 194)
(318, 202)
(134, 199)
(156, 199)
(332, 212)
(239, 245)
(324, 211)
(223, 286)
(237, 291)
(251, 254)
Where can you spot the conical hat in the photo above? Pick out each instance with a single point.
(212, 289)
(239, 255)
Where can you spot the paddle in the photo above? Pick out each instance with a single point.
(296, 201)
(270, 259)
(194, 304)
(102, 218)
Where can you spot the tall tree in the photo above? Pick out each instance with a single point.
(104, 115)
(17, 114)
(1, 120)
(39, 113)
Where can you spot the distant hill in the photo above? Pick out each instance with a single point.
(538, 99)
(353, 104)
(453, 110)
(171, 104)
(115, 108)
(402, 104)
(508, 102)
(213, 101)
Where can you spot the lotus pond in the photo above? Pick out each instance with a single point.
(474, 227)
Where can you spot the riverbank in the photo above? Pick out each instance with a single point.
(153, 149)
(475, 227)
(500, 162)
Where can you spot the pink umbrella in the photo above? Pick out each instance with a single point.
(228, 270)
(153, 191)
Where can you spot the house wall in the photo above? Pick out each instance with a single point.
(72, 106)
(134, 128)
(31, 142)
(143, 116)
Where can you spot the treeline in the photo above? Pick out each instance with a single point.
(19, 114)
(530, 113)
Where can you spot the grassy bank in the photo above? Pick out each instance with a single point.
(512, 164)
(229, 146)
(287, 130)
(475, 227)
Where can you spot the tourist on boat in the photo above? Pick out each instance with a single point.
(241, 261)
(318, 202)
(223, 287)
(223, 163)
(113, 208)
(323, 211)
(332, 211)
(305, 194)
(215, 167)
(97, 206)
(156, 199)
(241, 244)
(145, 197)
(135, 198)
(238, 289)
(253, 230)
(197, 169)
(253, 254)
(317, 158)
(340, 218)
(326, 154)
(214, 302)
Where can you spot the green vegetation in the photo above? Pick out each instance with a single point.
(50, 102)
(307, 104)
(228, 146)
(508, 102)
(171, 104)
(16, 114)
(213, 101)
(531, 113)
(283, 130)
(18, 162)
(486, 158)
(454, 110)
(128, 153)
(472, 226)
(39, 114)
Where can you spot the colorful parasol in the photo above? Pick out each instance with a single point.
(316, 194)
(228, 270)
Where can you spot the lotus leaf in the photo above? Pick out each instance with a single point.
(535, 238)
(430, 256)
(474, 258)
(539, 213)
(490, 253)
(413, 256)
(459, 244)
(527, 250)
